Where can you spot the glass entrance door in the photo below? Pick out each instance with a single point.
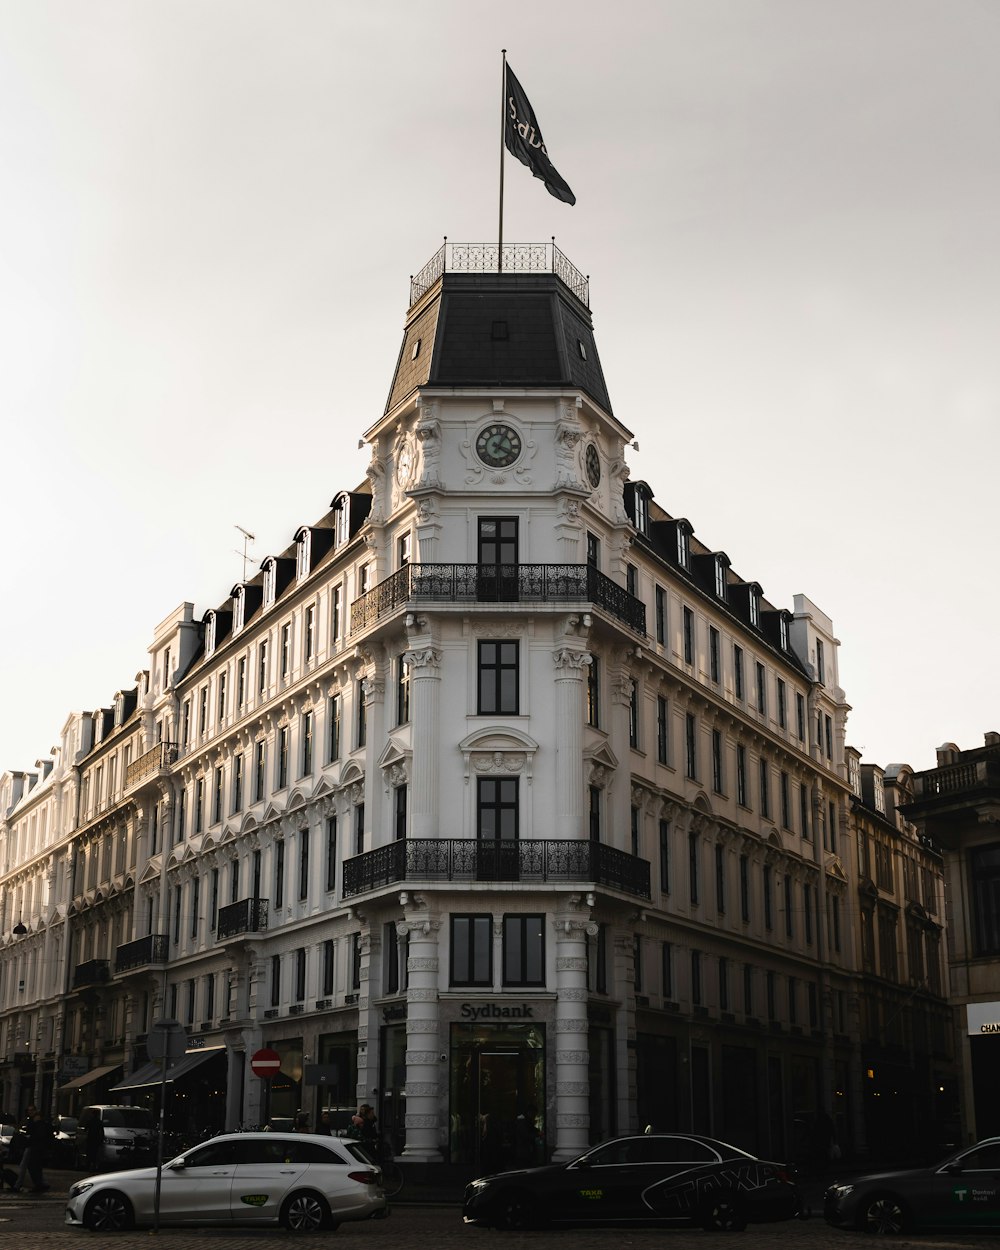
(497, 1096)
(497, 559)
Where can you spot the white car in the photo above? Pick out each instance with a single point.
(303, 1181)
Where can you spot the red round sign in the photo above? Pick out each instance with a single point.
(265, 1062)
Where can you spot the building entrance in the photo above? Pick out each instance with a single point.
(497, 1095)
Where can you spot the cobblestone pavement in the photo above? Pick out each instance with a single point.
(29, 1224)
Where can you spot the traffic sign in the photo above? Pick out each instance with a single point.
(265, 1062)
(166, 1039)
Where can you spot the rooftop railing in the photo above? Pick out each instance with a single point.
(486, 258)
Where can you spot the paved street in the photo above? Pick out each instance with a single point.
(36, 1222)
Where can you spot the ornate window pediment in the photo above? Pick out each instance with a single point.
(600, 765)
(498, 750)
(395, 765)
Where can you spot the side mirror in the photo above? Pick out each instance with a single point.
(177, 1165)
(954, 1168)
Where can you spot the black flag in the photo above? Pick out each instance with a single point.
(523, 138)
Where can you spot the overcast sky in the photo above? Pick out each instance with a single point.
(788, 209)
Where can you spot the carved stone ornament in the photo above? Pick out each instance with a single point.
(499, 762)
(569, 658)
(423, 657)
(572, 1056)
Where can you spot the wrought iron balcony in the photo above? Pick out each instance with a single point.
(421, 860)
(154, 948)
(152, 761)
(249, 915)
(498, 583)
(93, 972)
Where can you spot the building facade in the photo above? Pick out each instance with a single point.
(498, 799)
(957, 805)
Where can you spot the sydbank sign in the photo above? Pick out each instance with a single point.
(982, 1018)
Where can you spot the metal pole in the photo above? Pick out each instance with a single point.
(159, 1143)
(503, 125)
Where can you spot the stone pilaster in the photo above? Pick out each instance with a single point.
(424, 1045)
(572, 1056)
(425, 675)
(571, 666)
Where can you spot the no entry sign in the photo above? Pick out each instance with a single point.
(265, 1062)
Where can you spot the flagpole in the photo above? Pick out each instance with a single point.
(503, 123)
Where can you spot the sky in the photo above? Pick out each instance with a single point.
(210, 210)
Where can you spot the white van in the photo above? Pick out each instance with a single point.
(128, 1136)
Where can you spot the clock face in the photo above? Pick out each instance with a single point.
(404, 464)
(593, 466)
(498, 445)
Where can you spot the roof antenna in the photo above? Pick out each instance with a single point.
(247, 539)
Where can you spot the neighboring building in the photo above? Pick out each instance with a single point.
(957, 805)
(909, 1085)
(498, 798)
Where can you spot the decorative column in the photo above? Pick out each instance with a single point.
(572, 1053)
(571, 665)
(425, 678)
(424, 1067)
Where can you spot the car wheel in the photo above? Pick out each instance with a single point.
(305, 1212)
(723, 1215)
(515, 1209)
(109, 1212)
(883, 1214)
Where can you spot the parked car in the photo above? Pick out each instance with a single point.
(661, 1178)
(962, 1192)
(62, 1149)
(302, 1181)
(129, 1136)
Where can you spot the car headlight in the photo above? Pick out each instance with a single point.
(841, 1191)
(80, 1187)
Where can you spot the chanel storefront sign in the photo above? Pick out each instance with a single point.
(982, 1018)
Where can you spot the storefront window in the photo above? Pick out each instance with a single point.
(497, 1114)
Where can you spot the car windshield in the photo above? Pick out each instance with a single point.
(127, 1117)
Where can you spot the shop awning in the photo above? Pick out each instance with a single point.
(88, 1078)
(150, 1073)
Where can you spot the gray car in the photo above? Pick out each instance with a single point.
(302, 1181)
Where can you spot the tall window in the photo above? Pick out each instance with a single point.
(738, 672)
(331, 853)
(304, 863)
(308, 721)
(300, 974)
(262, 667)
(745, 889)
(782, 704)
(633, 713)
(334, 706)
(696, 991)
(807, 913)
(723, 983)
(717, 778)
(664, 832)
(472, 950)
(765, 789)
(661, 729)
(497, 808)
(691, 746)
(359, 828)
(660, 612)
(820, 663)
(741, 776)
(286, 651)
(693, 851)
(761, 689)
(499, 669)
(217, 796)
(222, 697)
(214, 914)
(748, 989)
(402, 690)
(275, 980)
(594, 692)
(390, 959)
(309, 633)
(634, 818)
(786, 807)
(688, 630)
(259, 760)
(241, 681)
(524, 950)
(714, 662)
(279, 873)
(336, 613)
(789, 914)
(328, 967)
(720, 879)
(768, 897)
(595, 813)
(804, 810)
(667, 969)
(282, 769)
(199, 805)
(238, 782)
(399, 811)
(800, 716)
(362, 735)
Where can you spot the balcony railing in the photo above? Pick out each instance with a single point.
(93, 972)
(161, 756)
(249, 915)
(154, 948)
(486, 258)
(498, 583)
(958, 778)
(521, 859)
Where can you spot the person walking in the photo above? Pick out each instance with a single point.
(39, 1133)
(325, 1127)
(22, 1138)
(363, 1124)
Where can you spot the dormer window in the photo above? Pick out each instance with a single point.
(270, 581)
(721, 565)
(120, 707)
(878, 792)
(342, 521)
(783, 630)
(239, 608)
(754, 603)
(98, 727)
(302, 552)
(684, 533)
(642, 510)
(209, 632)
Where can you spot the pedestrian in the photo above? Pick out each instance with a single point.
(39, 1139)
(363, 1123)
(95, 1140)
(22, 1138)
(302, 1123)
(325, 1124)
